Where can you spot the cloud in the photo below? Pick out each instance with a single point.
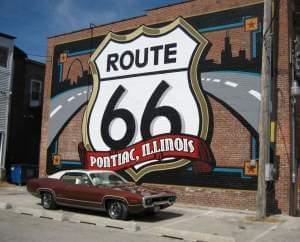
(73, 15)
(32, 21)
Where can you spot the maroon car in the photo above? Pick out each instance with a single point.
(98, 190)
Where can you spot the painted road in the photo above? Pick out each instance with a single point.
(239, 90)
(63, 107)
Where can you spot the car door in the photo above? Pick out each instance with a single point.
(80, 191)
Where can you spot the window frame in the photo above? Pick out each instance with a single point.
(35, 103)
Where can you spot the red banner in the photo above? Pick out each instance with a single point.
(156, 148)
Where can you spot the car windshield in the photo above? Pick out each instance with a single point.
(106, 178)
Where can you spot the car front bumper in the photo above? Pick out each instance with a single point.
(161, 201)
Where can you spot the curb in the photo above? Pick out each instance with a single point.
(104, 222)
(130, 226)
(57, 216)
(190, 236)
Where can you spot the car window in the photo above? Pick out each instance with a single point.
(76, 178)
(106, 179)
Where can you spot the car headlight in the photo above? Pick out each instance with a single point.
(148, 201)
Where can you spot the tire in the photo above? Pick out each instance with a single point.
(47, 200)
(117, 210)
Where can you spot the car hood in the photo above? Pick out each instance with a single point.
(140, 190)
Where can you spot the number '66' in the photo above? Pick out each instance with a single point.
(150, 113)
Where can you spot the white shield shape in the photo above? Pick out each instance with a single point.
(145, 85)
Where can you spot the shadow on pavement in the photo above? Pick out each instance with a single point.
(143, 217)
(152, 218)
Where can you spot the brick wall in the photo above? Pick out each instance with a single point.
(228, 129)
(226, 126)
(212, 197)
(283, 139)
(70, 138)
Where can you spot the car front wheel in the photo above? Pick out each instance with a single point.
(117, 210)
(47, 200)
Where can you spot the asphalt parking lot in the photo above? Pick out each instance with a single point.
(179, 222)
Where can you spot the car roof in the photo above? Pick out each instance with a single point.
(58, 174)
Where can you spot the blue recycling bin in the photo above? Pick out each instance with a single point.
(21, 173)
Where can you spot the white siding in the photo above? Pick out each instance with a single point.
(5, 76)
(5, 87)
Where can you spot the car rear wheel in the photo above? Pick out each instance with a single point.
(47, 200)
(117, 210)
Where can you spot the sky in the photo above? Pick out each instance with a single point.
(33, 21)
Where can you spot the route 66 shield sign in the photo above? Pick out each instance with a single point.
(147, 111)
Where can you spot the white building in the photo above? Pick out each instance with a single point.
(6, 76)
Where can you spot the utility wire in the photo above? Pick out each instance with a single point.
(92, 26)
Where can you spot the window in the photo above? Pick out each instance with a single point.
(3, 56)
(35, 93)
(76, 178)
(106, 178)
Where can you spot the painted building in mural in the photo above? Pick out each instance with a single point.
(170, 98)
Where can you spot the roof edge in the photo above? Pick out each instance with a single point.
(100, 25)
(31, 61)
(7, 36)
(121, 20)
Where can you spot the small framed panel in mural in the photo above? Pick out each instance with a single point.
(56, 160)
(63, 57)
(251, 24)
(251, 168)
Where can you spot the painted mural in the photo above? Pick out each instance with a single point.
(172, 103)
